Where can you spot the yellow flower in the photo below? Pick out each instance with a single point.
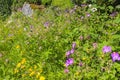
(22, 66)
(16, 71)
(30, 69)
(23, 75)
(18, 65)
(38, 74)
(17, 46)
(84, 58)
(32, 73)
(42, 78)
(35, 66)
(77, 73)
(23, 61)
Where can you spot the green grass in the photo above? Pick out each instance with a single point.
(30, 50)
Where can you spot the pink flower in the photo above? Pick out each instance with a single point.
(115, 56)
(69, 62)
(72, 51)
(95, 45)
(66, 70)
(106, 49)
(73, 45)
(68, 53)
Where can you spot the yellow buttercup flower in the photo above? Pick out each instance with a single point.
(22, 66)
(32, 73)
(38, 74)
(17, 46)
(42, 78)
(84, 58)
(23, 61)
(18, 65)
(30, 69)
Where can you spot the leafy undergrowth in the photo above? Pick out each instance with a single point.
(54, 44)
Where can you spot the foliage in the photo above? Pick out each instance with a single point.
(5, 10)
(57, 44)
(62, 3)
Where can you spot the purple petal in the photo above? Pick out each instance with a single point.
(106, 49)
(115, 56)
(74, 45)
(72, 51)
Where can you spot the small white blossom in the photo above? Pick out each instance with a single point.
(89, 5)
(94, 9)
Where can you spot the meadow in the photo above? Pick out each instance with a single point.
(80, 43)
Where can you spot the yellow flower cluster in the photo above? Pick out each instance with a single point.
(20, 65)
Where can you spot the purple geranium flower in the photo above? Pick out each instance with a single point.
(115, 56)
(68, 53)
(46, 24)
(106, 49)
(80, 64)
(73, 45)
(72, 51)
(69, 62)
(113, 14)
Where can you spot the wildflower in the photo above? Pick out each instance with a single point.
(42, 78)
(94, 45)
(106, 49)
(115, 56)
(18, 65)
(81, 37)
(84, 58)
(72, 51)
(32, 73)
(82, 17)
(25, 29)
(35, 66)
(88, 15)
(66, 70)
(89, 5)
(94, 9)
(38, 74)
(46, 24)
(80, 64)
(30, 69)
(17, 46)
(113, 14)
(83, 5)
(69, 62)
(22, 67)
(68, 53)
(23, 61)
(73, 45)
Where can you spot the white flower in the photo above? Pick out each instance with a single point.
(94, 9)
(89, 5)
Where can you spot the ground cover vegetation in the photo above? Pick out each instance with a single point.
(62, 40)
